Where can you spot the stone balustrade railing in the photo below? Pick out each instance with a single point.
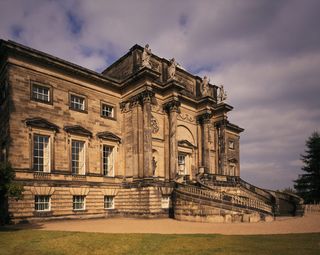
(227, 198)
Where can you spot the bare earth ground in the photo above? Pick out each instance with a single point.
(309, 223)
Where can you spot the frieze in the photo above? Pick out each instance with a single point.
(186, 117)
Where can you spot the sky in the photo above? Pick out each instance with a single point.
(266, 53)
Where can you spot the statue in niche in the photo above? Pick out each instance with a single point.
(154, 166)
(146, 56)
(205, 86)
(222, 96)
(172, 69)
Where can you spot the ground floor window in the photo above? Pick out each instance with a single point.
(108, 202)
(42, 203)
(79, 202)
(165, 202)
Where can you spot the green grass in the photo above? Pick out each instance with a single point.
(55, 242)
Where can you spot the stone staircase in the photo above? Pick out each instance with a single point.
(213, 198)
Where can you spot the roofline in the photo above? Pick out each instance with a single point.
(19, 48)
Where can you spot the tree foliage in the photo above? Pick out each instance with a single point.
(308, 184)
(8, 189)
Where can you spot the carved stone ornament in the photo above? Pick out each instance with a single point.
(77, 130)
(172, 106)
(41, 123)
(109, 136)
(154, 125)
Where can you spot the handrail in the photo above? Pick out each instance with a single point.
(227, 198)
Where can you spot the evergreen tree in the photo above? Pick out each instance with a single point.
(8, 189)
(308, 184)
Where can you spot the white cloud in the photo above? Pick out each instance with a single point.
(266, 53)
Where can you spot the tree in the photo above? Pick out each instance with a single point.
(308, 184)
(8, 189)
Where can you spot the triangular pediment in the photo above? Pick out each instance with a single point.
(78, 130)
(186, 143)
(41, 123)
(109, 136)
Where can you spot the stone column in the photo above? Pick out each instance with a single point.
(220, 126)
(172, 109)
(205, 122)
(146, 97)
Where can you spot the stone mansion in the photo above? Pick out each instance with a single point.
(144, 138)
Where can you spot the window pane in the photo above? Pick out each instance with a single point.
(78, 157)
(107, 160)
(42, 203)
(41, 93)
(108, 202)
(107, 111)
(77, 103)
(78, 202)
(41, 153)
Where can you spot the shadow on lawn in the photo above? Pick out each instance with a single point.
(20, 226)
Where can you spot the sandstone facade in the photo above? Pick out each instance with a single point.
(87, 144)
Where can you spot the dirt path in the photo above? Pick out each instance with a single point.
(307, 224)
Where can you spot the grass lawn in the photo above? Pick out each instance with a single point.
(21, 242)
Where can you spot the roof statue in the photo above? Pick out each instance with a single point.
(146, 56)
(172, 69)
(222, 96)
(205, 86)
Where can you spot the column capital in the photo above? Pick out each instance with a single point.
(205, 117)
(172, 105)
(138, 99)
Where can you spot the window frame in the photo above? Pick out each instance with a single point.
(46, 86)
(165, 202)
(106, 203)
(102, 104)
(84, 157)
(44, 203)
(231, 144)
(77, 203)
(85, 103)
(49, 153)
(112, 158)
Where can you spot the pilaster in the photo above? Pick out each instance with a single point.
(173, 108)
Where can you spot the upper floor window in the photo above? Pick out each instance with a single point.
(107, 160)
(42, 203)
(78, 157)
(77, 103)
(231, 144)
(41, 153)
(107, 110)
(41, 93)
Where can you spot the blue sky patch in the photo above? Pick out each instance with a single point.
(75, 23)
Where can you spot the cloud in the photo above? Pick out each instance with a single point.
(266, 53)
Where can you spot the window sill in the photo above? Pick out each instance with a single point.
(108, 118)
(78, 110)
(42, 101)
(79, 210)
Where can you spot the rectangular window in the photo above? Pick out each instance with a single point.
(77, 103)
(108, 202)
(41, 153)
(231, 144)
(165, 202)
(78, 157)
(107, 160)
(107, 111)
(42, 203)
(41, 93)
(79, 202)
